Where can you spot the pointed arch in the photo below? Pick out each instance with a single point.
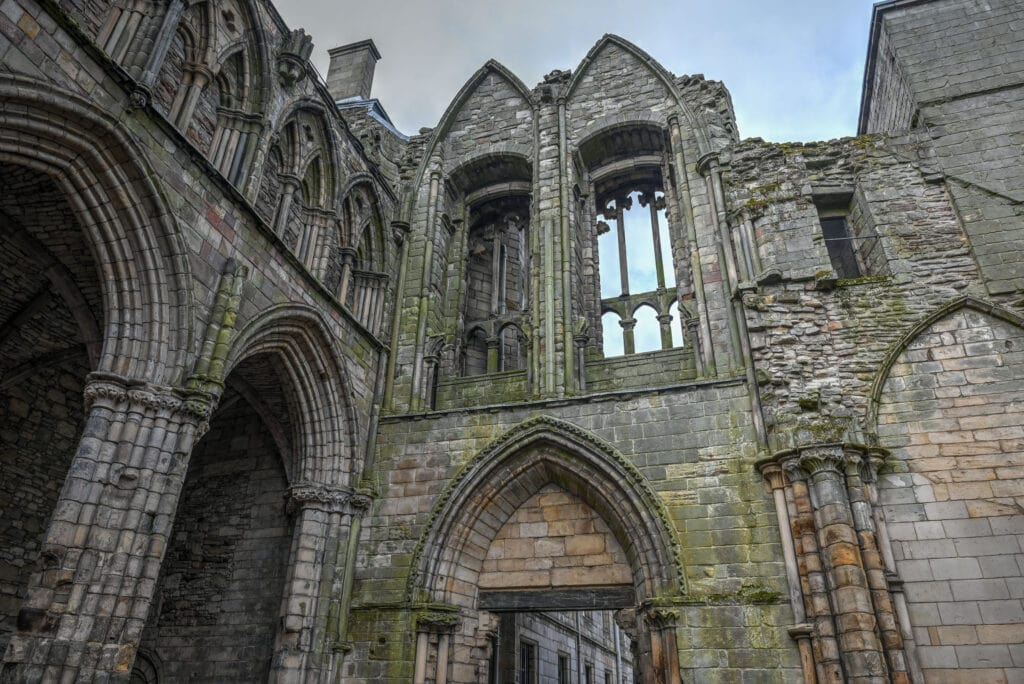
(905, 340)
(300, 341)
(654, 67)
(148, 302)
(468, 89)
(515, 466)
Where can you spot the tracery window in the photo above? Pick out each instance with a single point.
(637, 276)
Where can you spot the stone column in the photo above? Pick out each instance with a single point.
(860, 471)
(289, 186)
(812, 579)
(434, 626)
(860, 648)
(665, 325)
(322, 522)
(664, 660)
(801, 631)
(88, 600)
(493, 354)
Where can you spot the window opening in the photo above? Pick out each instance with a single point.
(840, 246)
(527, 663)
(676, 325)
(588, 673)
(563, 668)
(613, 335)
(647, 330)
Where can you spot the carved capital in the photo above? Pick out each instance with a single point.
(332, 499)
(662, 618)
(707, 163)
(399, 231)
(774, 475)
(823, 460)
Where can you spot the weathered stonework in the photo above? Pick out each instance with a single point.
(288, 395)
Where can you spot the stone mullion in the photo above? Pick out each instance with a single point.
(813, 582)
(858, 473)
(659, 264)
(620, 231)
(855, 620)
(628, 338)
(86, 608)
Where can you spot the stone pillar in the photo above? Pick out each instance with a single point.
(801, 631)
(434, 626)
(628, 340)
(664, 654)
(289, 186)
(493, 354)
(348, 260)
(860, 471)
(665, 325)
(322, 522)
(88, 600)
(857, 636)
(812, 579)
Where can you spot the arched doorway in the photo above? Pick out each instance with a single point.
(548, 519)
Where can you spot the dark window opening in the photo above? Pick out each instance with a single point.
(840, 245)
(527, 663)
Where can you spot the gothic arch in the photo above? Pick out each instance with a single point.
(654, 67)
(457, 103)
(147, 298)
(324, 443)
(515, 466)
(901, 344)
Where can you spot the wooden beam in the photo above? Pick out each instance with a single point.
(583, 598)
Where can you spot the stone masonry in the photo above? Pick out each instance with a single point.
(576, 386)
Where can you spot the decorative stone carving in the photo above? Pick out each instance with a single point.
(291, 60)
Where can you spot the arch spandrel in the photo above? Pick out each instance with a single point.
(488, 489)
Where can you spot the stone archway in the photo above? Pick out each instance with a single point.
(628, 557)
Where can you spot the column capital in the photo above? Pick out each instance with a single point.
(327, 498)
(438, 618)
(118, 393)
(707, 163)
(774, 475)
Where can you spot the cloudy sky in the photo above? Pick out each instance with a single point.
(794, 67)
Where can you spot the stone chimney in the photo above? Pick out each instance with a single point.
(351, 70)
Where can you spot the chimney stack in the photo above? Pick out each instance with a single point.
(351, 71)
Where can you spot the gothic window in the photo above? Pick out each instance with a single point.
(633, 274)
(675, 323)
(512, 349)
(646, 331)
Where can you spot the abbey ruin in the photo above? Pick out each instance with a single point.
(576, 386)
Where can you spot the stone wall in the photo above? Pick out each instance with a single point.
(951, 412)
(966, 79)
(554, 540)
